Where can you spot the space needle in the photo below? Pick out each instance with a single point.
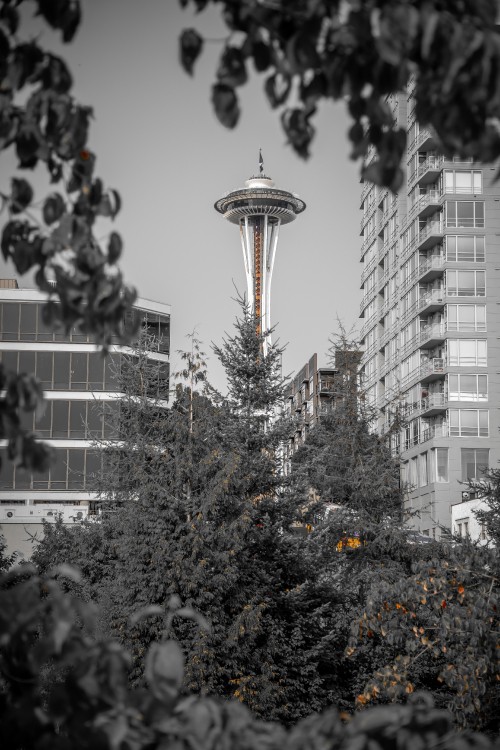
(259, 209)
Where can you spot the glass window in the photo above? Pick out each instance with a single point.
(466, 317)
(76, 468)
(112, 372)
(78, 418)
(413, 473)
(468, 387)
(93, 466)
(79, 371)
(10, 321)
(94, 419)
(441, 458)
(44, 363)
(58, 470)
(463, 181)
(43, 423)
(465, 214)
(28, 322)
(465, 249)
(45, 332)
(7, 472)
(9, 361)
(96, 371)
(423, 477)
(475, 462)
(468, 422)
(22, 479)
(61, 370)
(465, 283)
(467, 352)
(41, 481)
(60, 418)
(27, 362)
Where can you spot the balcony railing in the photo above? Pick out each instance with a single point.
(430, 333)
(368, 269)
(434, 401)
(427, 202)
(431, 165)
(435, 366)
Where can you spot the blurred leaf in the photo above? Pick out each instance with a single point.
(232, 70)
(191, 45)
(261, 54)
(225, 103)
(298, 130)
(152, 610)
(164, 670)
(115, 246)
(53, 208)
(10, 17)
(277, 88)
(21, 195)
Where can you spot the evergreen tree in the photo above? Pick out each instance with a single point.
(343, 461)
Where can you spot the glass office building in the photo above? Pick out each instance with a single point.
(81, 393)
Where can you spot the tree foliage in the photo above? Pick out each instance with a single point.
(311, 52)
(88, 703)
(441, 624)
(55, 238)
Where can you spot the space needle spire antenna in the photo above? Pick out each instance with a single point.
(259, 209)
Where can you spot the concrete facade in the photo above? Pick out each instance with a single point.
(430, 308)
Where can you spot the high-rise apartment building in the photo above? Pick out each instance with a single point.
(430, 309)
(81, 392)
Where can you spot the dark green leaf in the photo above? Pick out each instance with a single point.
(53, 208)
(56, 75)
(261, 54)
(115, 247)
(10, 17)
(164, 670)
(232, 69)
(277, 88)
(191, 45)
(226, 105)
(21, 195)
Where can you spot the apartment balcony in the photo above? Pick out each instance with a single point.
(326, 387)
(431, 432)
(427, 204)
(434, 431)
(366, 300)
(425, 141)
(431, 268)
(367, 325)
(366, 216)
(430, 234)
(433, 404)
(387, 335)
(368, 269)
(431, 336)
(432, 370)
(366, 244)
(430, 302)
(428, 171)
(384, 309)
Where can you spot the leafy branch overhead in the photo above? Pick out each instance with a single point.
(361, 52)
(41, 120)
(54, 238)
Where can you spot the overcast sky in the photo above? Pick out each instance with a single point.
(158, 142)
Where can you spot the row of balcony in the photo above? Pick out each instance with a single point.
(431, 432)
(427, 270)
